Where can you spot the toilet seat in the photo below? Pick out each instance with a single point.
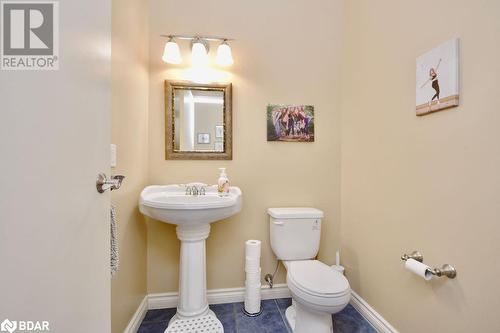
(316, 278)
(317, 285)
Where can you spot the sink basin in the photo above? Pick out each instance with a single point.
(170, 204)
(192, 214)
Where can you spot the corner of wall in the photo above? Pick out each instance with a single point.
(130, 82)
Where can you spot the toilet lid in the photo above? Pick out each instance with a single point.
(317, 278)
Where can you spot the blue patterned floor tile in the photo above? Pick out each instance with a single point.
(159, 315)
(229, 322)
(283, 303)
(350, 321)
(225, 313)
(222, 309)
(270, 321)
(153, 327)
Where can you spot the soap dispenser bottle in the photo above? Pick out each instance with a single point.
(223, 182)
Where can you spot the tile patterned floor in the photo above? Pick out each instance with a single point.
(272, 319)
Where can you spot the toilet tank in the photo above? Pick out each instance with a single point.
(295, 232)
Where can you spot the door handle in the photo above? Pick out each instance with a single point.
(103, 183)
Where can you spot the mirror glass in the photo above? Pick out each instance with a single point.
(198, 120)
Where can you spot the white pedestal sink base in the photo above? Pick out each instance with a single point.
(193, 305)
(208, 323)
(192, 214)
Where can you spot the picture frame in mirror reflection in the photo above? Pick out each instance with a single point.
(219, 131)
(203, 138)
(219, 146)
(198, 121)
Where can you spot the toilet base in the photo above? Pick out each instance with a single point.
(302, 320)
(290, 316)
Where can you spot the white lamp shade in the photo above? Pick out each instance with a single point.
(172, 53)
(224, 56)
(199, 54)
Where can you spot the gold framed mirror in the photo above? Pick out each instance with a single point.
(198, 121)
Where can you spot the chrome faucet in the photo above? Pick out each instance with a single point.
(195, 190)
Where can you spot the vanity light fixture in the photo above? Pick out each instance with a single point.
(224, 56)
(199, 50)
(172, 53)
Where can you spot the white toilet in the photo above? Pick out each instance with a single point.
(317, 290)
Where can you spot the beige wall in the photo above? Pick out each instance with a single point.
(427, 183)
(421, 183)
(129, 133)
(285, 52)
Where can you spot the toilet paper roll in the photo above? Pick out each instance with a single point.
(250, 260)
(418, 268)
(252, 300)
(252, 249)
(253, 271)
(252, 284)
(253, 277)
(252, 297)
(252, 265)
(252, 308)
(252, 305)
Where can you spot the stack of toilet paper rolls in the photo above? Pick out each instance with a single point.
(253, 272)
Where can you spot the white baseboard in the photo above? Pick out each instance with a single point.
(372, 316)
(217, 296)
(138, 316)
(232, 295)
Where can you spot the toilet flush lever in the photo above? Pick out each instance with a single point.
(279, 222)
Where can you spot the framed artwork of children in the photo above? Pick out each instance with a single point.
(290, 123)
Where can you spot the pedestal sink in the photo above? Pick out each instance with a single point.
(192, 214)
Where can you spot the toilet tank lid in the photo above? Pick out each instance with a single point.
(295, 213)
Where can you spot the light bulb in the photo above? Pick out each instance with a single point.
(172, 53)
(224, 56)
(199, 54)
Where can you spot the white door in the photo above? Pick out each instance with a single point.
(54, 140)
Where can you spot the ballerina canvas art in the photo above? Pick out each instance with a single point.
(438, 79)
